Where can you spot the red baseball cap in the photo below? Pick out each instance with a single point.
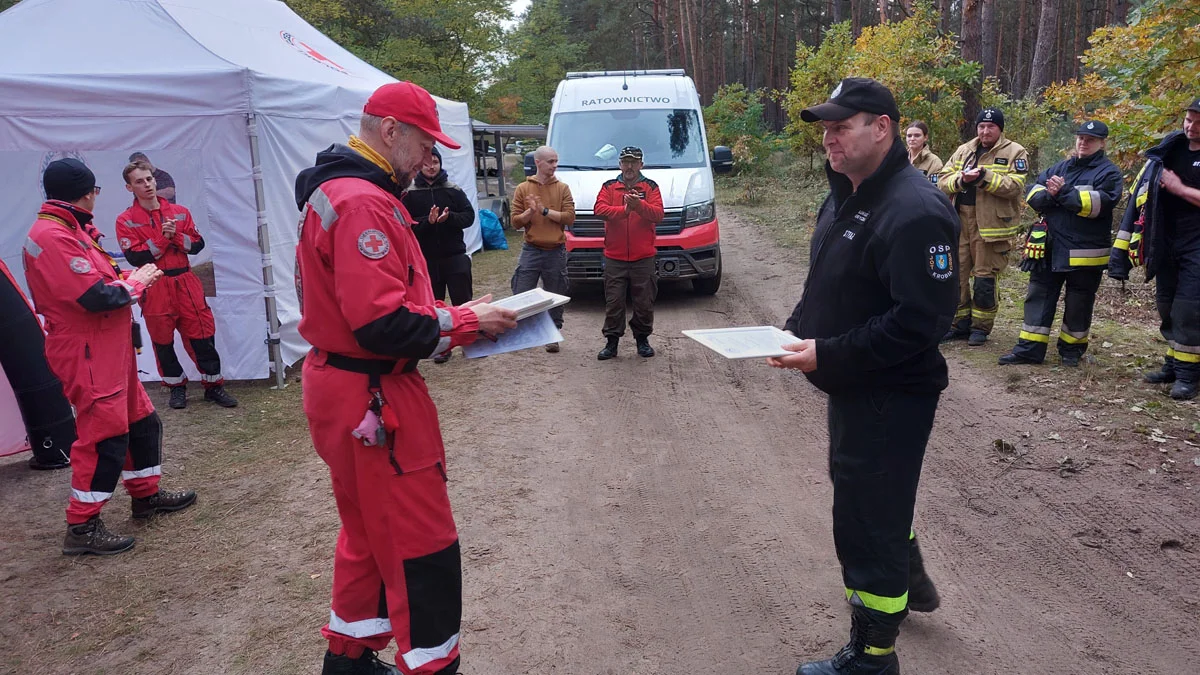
(406, 102)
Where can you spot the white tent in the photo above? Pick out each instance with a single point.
(231, 97)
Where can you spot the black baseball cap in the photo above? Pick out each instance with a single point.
(1195, 106)
(631, 151)
(1093, 128)
(852, 96)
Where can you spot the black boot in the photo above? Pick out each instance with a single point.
(163, 501)
(93, 537)
(610, 349)
(977, 338)
(922, 594)
(1184, 390)
(955, 334)
(643, 347)
(853, 659)
(219, 396)
(366, 664)
(49, 463)
(178, 397)
(1015, 359)
(1071, 359)
(1164, 376)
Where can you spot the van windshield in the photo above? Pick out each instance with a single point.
(669, 139)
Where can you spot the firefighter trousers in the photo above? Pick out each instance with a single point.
(177, 303)
(119, 436)
(396, 569)
(1041, 301)
(980, 264)
(876, 447)
(1177, 296)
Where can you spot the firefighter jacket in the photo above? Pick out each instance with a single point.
(140, 235)
(629, 234)
(882, 286)
(928, 164)
(1079, 218)
(999, 189)
(1143, 196)
(361, 279)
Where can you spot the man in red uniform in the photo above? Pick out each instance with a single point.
(631, 206)
(368, 311)
(86, 301)
(155, 231)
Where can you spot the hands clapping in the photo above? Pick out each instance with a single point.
(146, 275)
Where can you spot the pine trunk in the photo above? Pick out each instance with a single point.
(971, 51)
(987, 19)
(1041, 71)
(1019, 79)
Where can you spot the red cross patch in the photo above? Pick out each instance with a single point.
(125, 243)
(80, 265)
(373, 244)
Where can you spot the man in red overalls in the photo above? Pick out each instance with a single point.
(86, 301)
(155, 231)
(368, 311)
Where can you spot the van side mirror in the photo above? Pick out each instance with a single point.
(530, 167)
(722, 159)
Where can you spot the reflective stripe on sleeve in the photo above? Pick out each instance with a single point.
(442, 345)
(445, 320)
(1036, 189)
(32, 248)
(153, 249)
(319, 201)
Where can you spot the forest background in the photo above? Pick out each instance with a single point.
(756, 63)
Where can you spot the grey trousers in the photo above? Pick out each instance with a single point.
(548, 265)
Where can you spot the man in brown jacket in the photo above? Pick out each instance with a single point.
(543, 207)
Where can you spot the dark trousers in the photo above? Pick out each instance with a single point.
(452, 273)
(638, 279)
(548, 265)
(876, 446)
(1177, 295)
(1041, 301)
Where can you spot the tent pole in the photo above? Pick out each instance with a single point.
(264, 245)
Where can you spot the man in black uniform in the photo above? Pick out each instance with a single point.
(1068, 245)
(1161, 229)
(882, 289)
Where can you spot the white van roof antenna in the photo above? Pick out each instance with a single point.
(676, 72)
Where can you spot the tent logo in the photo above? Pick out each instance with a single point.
(311, 53)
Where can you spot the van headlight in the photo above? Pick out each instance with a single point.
(698, 213)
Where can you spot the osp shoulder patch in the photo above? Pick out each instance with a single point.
(940, 264)
(933, 178)
(80, 265)
(1020, 165)
(373, 244)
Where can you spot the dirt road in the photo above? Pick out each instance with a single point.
(665, 516)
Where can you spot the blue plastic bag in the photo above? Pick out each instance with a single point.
(492, 231)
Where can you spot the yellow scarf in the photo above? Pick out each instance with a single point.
(356, 144)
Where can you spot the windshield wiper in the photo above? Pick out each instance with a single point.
(657, 166)
(580, 167)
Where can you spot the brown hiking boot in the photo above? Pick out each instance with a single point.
(163, 501)
(92, 537)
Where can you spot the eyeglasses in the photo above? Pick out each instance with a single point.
(96, 190)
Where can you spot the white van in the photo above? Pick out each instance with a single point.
(593, 116)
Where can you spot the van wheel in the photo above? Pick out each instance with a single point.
(710, 285)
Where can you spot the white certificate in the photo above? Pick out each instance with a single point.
(749, 342)
(535, 331)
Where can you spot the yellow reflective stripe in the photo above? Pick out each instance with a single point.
(1186, 357)
(995, 181)
(878, 651)
(1185, 349)
(1034, 337)
(879, 603)
(999, 232)
(1121, 244)
(1036, 189)
(984, 313)
(1133, 188)
(1071, 339)
(1141, 198)
(912, 534)
(1092, 261)
(1085, 201)
(1170, 352)
(962, 313)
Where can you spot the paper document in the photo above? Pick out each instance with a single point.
(531, 302)
(535, 331)
(750, 342)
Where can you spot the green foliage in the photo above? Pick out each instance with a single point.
(1026, 121)
(446, 46)
(1138, 77)
(815, 74)
(735, 119)
(539, 55)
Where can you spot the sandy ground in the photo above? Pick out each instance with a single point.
(661, 516)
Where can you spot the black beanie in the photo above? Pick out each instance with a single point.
(437, 154)
(992, 115)
(67, 180)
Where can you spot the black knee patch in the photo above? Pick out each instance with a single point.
(207, 359)
(434, 586)
(145, 441)
(109, 463)
(167, 360)
(985, 292)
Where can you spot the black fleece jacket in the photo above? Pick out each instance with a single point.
(882, 284)
(444, 239)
